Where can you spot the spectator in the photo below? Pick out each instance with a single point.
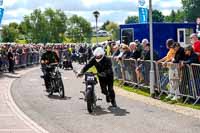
(180, 53)
(115, 50)
(190, 56)
(174, 74)
(195, 44)
(126, 52)
(135, 53)
(11, 60)
(140, 46)
(119, 53)
(140, 70)
(171, 53)
(145, 55)
(145, 42)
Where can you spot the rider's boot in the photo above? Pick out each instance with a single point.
(113, 102)
(108, 100)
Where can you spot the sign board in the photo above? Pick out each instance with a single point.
(143, 11)
(1, 14)
(198, 27)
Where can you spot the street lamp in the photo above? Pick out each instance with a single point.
(96, 15)
(152, 78)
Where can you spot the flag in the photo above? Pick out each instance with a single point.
(1, 14)
(143, 11)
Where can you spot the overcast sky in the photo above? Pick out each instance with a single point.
(114, 10)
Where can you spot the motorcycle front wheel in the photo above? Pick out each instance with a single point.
(51, 89)
(90, 101)
(61, 88)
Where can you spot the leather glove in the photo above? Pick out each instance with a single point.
(79, 75)
(102, 74)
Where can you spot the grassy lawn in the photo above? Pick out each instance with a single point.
(100, 39)
(145, 92)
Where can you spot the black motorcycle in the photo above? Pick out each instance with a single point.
(53, 79)
(82, 58)
(89, 93)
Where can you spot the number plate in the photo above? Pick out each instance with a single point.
(90, 78)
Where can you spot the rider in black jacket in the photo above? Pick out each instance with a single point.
(47, 58)
(103, 65)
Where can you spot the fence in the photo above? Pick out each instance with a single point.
(21, 60)
(184, 79)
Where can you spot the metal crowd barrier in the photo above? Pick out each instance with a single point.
(183, 79)
(195, 68)
(117, 69)
(129, 67)
(3, 64)
(26, 59)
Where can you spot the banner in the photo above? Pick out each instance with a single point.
(198, 27)
(1, 14)
(143, 11)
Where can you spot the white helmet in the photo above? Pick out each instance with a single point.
(99, 51)
(99, 54)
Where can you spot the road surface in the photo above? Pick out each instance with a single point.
(70, 115)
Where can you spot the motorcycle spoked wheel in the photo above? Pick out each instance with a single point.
(91, 105)
(51, 91)
(61, 88)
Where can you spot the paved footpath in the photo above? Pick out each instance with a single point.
(136, 114)
(12, 120)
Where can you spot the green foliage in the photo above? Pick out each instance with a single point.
(132, 19)
(191, 9)
(177, 16)
(114, 29)
(103, 27)
(157, 16)
(49, 26)
(10, 32)
(78, 29)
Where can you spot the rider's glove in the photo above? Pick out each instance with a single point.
(79, 75)
(102, 74)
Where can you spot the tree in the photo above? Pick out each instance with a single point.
(191, 9)
(132, 19)
(56, 24)
(114, 29)
(79, 29)
(157, 16)
(47, 26)
(177, 16)
(171, 17)
(103, 27)
(10, 32)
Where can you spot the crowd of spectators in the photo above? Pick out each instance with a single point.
(176, 57)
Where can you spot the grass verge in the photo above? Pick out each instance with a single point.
(145, 92)
(100, 39)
